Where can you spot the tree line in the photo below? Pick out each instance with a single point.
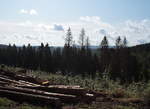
(119, 62)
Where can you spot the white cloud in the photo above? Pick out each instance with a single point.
(94, 19)
(33, 12)
(26, 23)
(23, 11)
(51, 27)
(137, 32)
(28, 12)
(44, 26)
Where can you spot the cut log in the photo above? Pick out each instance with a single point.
(30, 98)
(2, 83)
(16, 76)
(66, 86)
(32, 88)
(9, 80)
(63, 97)
(28, 83)
(17, 81)
(98, 94)
(31, 79)
(7, 73)
(58, 89)
(81, 93)
(14, 82)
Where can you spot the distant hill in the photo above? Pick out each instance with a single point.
(3, 46)
(137, 47)
(141, 47)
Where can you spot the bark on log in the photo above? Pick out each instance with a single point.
(16, 76)
(14, 82)
(2, 83)
(26, 86)
(9, 80)
(98, 94)
(7, 73)
(62, 90)
(63, 97)
(28, 83)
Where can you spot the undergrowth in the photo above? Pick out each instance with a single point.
(105, 84)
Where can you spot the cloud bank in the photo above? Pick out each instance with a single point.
(136, 31)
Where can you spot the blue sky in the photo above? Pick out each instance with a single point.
(110, 10)
(35, 21)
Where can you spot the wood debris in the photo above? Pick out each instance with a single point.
(24, 88)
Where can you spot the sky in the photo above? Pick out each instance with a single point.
(36, 21)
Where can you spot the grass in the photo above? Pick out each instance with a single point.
(98, 84)
(124, 107)
(9, 104)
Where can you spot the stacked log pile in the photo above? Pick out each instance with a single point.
(34, 90)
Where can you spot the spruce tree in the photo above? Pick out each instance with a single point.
(69, 38)
(82, 38)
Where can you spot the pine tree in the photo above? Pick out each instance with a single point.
(69, 38)
(104, 56)
(82, 38)
(104, 43)
(124, 42)
(118, 42)
(87, 43)
(48, 59)
(67, 52)
(41, 56)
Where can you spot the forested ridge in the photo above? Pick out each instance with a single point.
(120, 62)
